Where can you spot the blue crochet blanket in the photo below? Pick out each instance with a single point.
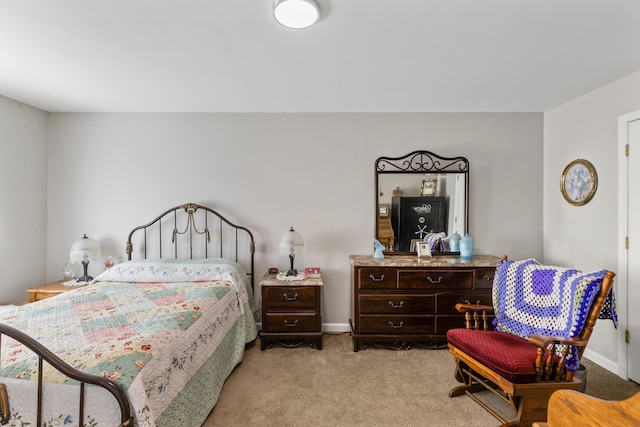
(531, 298)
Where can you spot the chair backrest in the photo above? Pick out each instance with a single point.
(530, 298)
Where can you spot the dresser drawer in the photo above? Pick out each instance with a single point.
(434, 279)
(446, 301)
(396, 324)
(483, 278)
(377, 278)
(291, 322)
(287, 298)
(444, 323)
(397, 303)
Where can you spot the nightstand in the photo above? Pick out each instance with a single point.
(49, 290)
(291, 312)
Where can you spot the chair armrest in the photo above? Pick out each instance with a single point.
(463, 308)
(544, 341)
(467, 309)
(550, 366)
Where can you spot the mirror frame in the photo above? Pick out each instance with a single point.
(421, 162)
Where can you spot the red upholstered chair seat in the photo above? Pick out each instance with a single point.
(511, 356)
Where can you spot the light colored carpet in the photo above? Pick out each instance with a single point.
(373, 387)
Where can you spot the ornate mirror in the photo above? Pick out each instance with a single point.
(419, 194)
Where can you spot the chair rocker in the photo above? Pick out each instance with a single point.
(544, 316)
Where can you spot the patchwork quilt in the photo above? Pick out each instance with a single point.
(531, 298)
(149, 326)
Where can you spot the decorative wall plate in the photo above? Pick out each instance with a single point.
(579, 182)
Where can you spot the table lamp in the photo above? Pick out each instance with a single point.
(85, 250)
(291, 245)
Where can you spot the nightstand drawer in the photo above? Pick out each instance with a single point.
(291, 322)
(282, 298)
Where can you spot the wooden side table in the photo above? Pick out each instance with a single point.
(49, 290)
(291, 312)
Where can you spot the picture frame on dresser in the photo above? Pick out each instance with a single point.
(424, 251)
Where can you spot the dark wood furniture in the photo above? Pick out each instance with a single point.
(527, 372)
(49, 290)
(404, 299)
(291, 312)
(572, 408)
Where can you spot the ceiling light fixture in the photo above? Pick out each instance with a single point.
(296, 14)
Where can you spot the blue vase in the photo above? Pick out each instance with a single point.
(454, 242)
(466, 247)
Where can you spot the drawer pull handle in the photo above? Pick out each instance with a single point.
(488, 278)
(396, 326)
(396, 305)
(290, 325)
(288, 298)
(372, 277)
(434, 281)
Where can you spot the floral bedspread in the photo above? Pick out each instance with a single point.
(148, 326)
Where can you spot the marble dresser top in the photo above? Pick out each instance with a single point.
(414, 261)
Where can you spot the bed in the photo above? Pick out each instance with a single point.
(148, 342)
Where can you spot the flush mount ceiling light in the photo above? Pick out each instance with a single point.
(296, 14)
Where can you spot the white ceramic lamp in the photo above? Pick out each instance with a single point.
(84, 251)
(291, 245)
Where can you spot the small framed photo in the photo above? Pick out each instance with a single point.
(428, 187)
(579, 182)
(383, 210)
(414, 244)
(424, 250)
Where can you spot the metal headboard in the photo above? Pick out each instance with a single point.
(193, 231)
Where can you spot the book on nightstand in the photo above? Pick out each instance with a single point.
(313, 272)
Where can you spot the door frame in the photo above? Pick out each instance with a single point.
(622, 278)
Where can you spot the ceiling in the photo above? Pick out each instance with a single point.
(362, 56)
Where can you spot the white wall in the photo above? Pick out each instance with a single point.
(586, 236)
(111, 172)
(23, 197)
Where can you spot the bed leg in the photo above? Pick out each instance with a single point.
(5, 411)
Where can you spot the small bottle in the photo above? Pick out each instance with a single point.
(454, 242)
(67, 272)
(466, 247)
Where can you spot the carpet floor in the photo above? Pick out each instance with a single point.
(374, 387)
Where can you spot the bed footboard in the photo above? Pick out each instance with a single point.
(46, 355)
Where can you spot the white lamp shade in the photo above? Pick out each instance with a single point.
(85, 246)
(290, 242)
(296, 14)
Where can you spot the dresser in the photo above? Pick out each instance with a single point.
(404, 299)
(291, 312)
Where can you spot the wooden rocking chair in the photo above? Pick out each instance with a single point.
(570, 408)
(520, 361)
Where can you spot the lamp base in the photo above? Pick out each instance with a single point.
(292, 272)
(85, 277)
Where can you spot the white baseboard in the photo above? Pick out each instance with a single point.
(600, 360)
(336, 327)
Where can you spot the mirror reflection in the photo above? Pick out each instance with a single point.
(419, 195)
